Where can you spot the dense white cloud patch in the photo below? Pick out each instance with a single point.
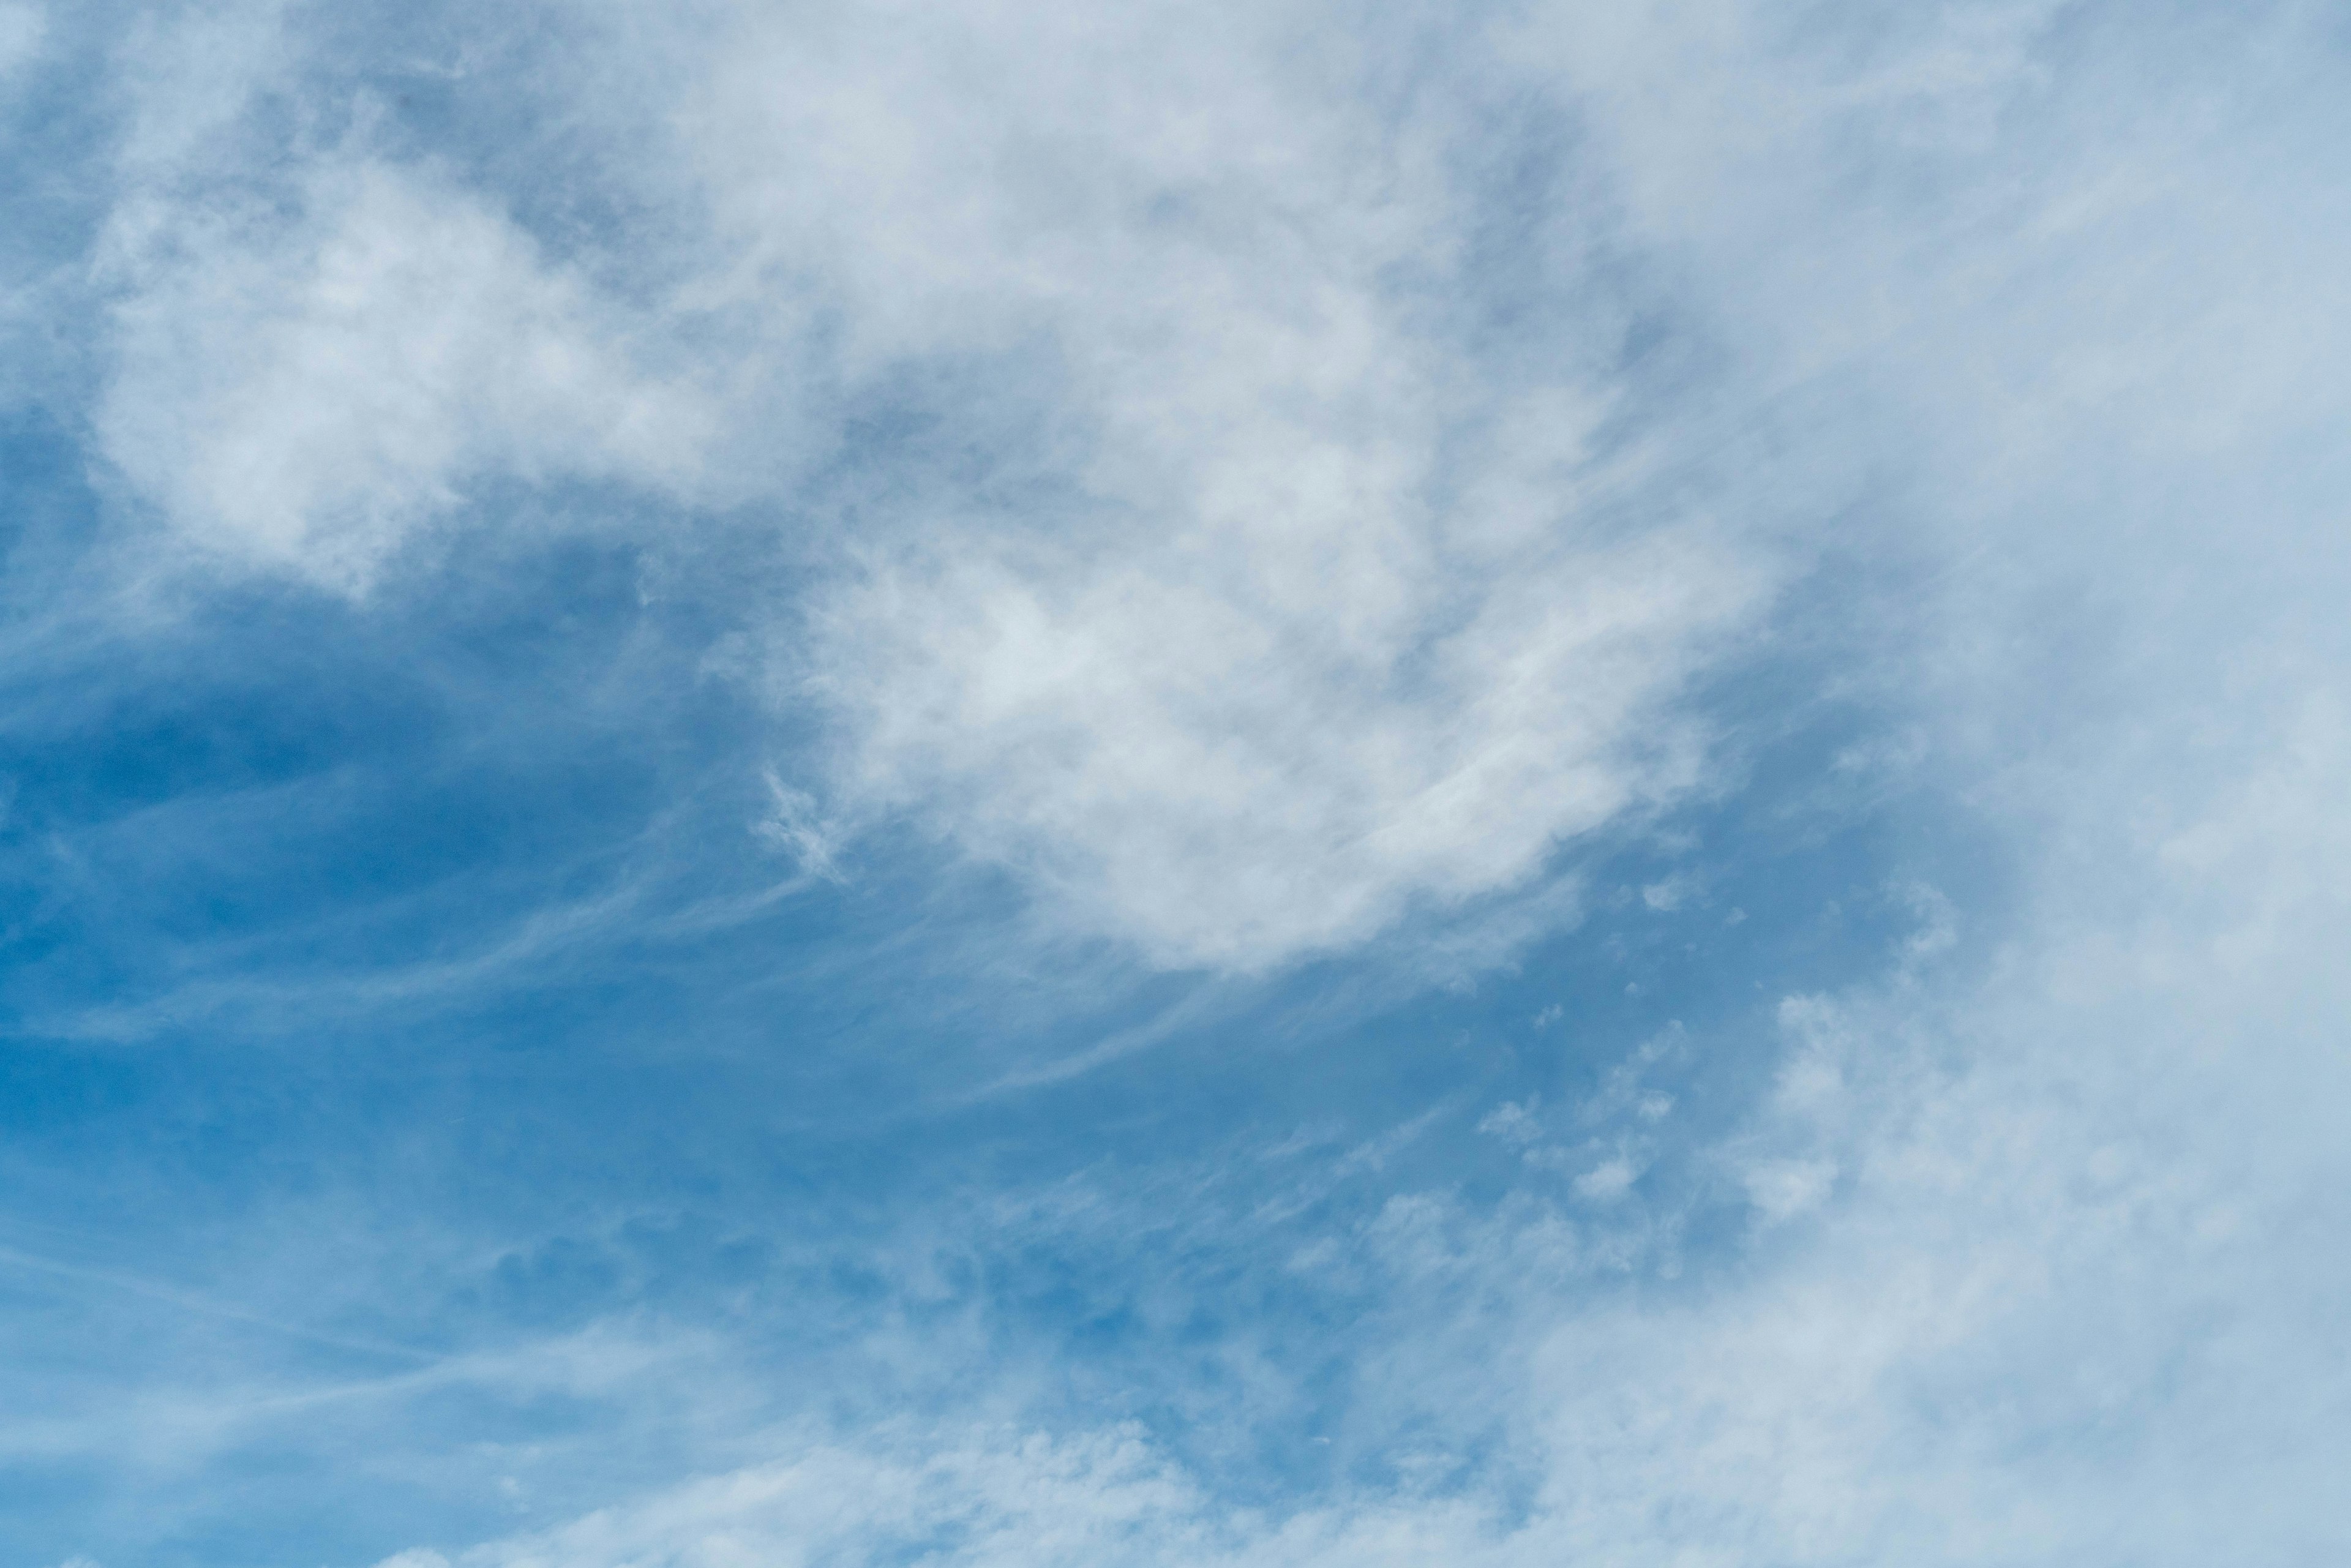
(1314, 577)
(1331, 606)
(2057, 1291)
(1207, 773)
(307, 393)
(317, 350)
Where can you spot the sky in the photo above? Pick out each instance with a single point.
(1240, 785)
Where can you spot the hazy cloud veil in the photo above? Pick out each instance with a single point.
(1494, 784)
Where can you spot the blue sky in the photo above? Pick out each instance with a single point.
(1026, 785)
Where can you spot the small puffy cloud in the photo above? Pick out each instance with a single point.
(797, 825)
(1666, 896)
(1782, 1190)
(1606, 1182)
(1513, 1122)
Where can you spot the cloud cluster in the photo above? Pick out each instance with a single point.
(1336, 559)
(316, 351)
(995, 1498)
(305, 393)
(2055, 1289)
(1338, 574)
(1268, 509)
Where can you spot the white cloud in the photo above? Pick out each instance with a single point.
(1514, 1122)
(2067, 1302)
(1668, 895)
(1608, 1181)
(308, 391)
(992, 1498)
(1329, 611)
(797, 825)
(1308, 606)
(1287, 593)
(1228, 775)
(1293, 596)
(314, 350)
(2046, 1261)
(988, 1498)
(2073, 1299)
